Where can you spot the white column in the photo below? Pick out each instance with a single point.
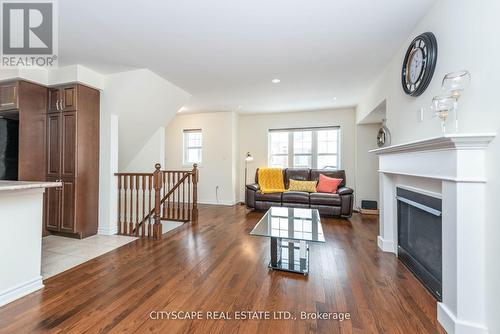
(463, 308)
(107, 180)
(388, 238)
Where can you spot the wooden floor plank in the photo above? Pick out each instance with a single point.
(215, 265)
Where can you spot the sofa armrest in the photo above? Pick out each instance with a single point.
(253, 186)
(250, 191)
(344, 191)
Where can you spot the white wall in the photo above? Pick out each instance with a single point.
(467, 35)
(253, 132)
(366, 163)
(151, 153)
(219, 146)
(144, 102)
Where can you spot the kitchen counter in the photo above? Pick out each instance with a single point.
(21, 185)
(21, 218)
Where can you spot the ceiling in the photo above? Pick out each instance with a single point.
(226, 52)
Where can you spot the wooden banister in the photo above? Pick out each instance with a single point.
(157, 181)
(145, 199)
(195, 192)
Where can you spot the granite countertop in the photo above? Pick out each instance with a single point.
(21, 185)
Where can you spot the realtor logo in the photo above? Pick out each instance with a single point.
(28, 33)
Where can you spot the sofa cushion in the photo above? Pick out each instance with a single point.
(299, 174)
(325, 199)
(336, 174)
(328, 184)
(296, 205)
(296, 197)
(274, 197)
(327, 210)
(263, 205)
(307, 186)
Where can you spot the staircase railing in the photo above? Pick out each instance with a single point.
(147, 199)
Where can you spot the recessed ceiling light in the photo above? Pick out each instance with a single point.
(275, 81)
(334, 98)
(182, 109)
(240, 106)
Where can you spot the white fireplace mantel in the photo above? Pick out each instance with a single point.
(458, 162)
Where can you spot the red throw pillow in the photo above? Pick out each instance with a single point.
(327, 184)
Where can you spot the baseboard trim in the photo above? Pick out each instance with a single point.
(452, 325)
(107, 231)
(21, 290)
(225, 203)
(386, 245)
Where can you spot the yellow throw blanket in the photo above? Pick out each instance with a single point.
(271, 180)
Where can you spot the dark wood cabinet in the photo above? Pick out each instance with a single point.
(68, 206)
(54, 144)
(73, 159)
(9, 96)
(54, 99)
(68, 144)
(52, 207)
(63, 98)
(69, 98)
(26, 102)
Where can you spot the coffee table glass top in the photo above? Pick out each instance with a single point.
(290, 223)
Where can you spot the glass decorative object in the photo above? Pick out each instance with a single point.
(455, 83)
(442, 106)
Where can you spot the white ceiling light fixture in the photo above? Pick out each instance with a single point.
(334, 98)
(275, 81)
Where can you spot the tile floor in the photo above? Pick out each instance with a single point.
(60, 254)
(168, 225)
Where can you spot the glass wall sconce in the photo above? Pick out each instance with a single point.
(442, 106)
(455, 83)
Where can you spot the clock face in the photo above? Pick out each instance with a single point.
(419, 64)
(416, 65)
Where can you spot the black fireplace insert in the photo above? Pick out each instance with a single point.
(420, 237)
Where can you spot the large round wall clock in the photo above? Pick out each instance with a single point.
(419, 64)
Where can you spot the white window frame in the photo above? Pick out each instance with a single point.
(186, 148)
(314, 148)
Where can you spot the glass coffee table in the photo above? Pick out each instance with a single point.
(290, 230)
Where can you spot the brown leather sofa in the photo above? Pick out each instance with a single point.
(338, 205)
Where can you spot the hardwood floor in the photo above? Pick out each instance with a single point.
(215, 265)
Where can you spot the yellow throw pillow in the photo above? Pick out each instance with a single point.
(307, 186)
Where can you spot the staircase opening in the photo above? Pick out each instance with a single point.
(149, 201)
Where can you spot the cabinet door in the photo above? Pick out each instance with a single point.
(9, 96)
(69, 98)
(68, 156)
(53, 208)
(54, 128)
(55, 104)
(68, 205)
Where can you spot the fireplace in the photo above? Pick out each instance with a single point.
(420, 237)
(456, 163)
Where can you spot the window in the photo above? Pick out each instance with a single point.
(308, 147)
(193, 144)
